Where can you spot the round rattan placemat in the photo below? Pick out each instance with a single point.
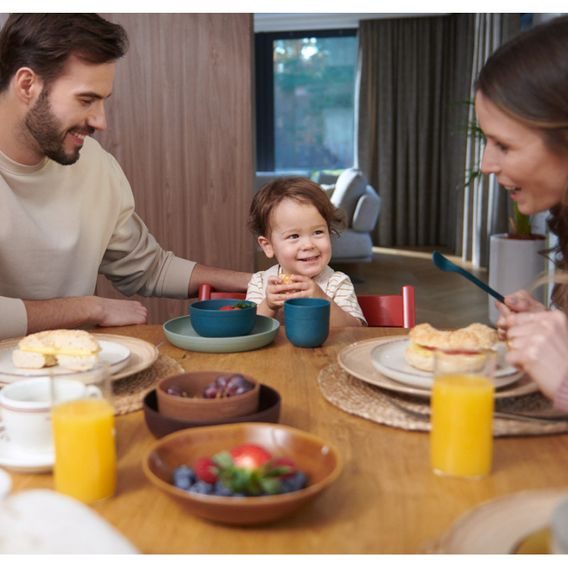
(129, 392)
(362, 399)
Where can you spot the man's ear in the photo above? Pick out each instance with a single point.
(27, 85)
(266, 246)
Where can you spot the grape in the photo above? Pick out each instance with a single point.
(224, 386)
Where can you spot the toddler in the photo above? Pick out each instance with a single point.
(293, 219)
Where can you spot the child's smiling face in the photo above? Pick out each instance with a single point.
(299, 238)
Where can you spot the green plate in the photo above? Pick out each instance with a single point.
(180, 333)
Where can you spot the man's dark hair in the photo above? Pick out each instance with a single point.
(44, 42)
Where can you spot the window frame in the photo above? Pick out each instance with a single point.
(264, 87)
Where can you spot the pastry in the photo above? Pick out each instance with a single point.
(73, 349)
(466, 342)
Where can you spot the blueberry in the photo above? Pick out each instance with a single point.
(294, 482)
(183, 477)
(201, 487)
(222, 490)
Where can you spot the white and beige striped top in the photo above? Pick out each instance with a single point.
(336, 285)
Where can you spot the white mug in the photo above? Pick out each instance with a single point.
(26, 409)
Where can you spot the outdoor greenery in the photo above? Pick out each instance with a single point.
(314, 83)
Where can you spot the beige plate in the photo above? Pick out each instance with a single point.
(142, 354)
(498, 526)
(356, 360)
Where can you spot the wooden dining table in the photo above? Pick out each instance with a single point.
(387, 500)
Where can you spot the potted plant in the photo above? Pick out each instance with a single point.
(515, 259)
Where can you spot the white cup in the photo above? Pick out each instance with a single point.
(26, 409)
(559, 528)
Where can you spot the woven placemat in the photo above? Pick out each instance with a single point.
(129, 393)
(392, 409)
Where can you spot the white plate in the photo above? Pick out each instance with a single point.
(112, 353)
(499, 526)
(388, 359)
(355, 359)
(22, 461)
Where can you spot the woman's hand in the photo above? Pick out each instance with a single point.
(517, 302)
(538, 344)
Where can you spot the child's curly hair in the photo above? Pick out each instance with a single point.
(299, 189)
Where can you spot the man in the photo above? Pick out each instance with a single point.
(66, 207)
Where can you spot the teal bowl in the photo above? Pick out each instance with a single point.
(213, 318)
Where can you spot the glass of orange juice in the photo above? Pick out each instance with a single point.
(84, 440)
(461, 438)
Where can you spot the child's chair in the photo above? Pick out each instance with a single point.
(395, 310)
(206, 292)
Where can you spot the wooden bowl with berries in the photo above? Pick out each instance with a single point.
(242, 474)
(205, 396)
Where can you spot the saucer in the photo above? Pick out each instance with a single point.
(179, 331)
(24, 461)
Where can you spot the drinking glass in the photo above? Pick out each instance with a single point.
(84, 440)
(461, 439)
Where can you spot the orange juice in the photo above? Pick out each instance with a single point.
(85, 451)
(461, 441)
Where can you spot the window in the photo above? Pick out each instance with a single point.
(305, 85)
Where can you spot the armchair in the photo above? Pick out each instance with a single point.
(362, 206)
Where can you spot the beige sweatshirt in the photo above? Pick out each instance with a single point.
(61, 225)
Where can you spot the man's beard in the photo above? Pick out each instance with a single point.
(47, 132)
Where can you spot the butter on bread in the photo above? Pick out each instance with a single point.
(286, 278)
(425, 339)
(73, 349)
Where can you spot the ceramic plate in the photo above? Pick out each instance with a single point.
(23, 461)
(180, 332)
(356, 360)
(500, 525)
(125, 355)
(388, 359)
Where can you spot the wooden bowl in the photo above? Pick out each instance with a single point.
(194, 407)
(318, 459)
(269, 402)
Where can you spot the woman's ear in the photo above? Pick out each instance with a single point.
(266, 246)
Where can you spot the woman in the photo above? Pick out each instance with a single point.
(522, 108)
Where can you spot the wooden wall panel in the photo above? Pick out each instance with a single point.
(180, 124)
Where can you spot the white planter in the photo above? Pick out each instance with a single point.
(514, 264)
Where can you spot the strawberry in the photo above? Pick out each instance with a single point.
(206, 470)
(249, 456)
(225, 308)
(283, 467)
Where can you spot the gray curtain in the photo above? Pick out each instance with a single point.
(414, 79)
(484, 206)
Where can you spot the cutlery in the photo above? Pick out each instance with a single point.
(539, 418)
(446, 265)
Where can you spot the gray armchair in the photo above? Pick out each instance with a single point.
(362, 206)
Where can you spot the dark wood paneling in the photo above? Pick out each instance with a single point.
(180, 124)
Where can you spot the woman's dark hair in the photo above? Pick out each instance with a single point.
(527, 79)
(299, 189)
(44, 42)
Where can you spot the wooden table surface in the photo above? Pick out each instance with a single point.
(386, 500)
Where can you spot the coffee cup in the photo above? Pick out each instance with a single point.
(306, 321)
(25, 408)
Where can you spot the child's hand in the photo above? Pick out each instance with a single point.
(303, 287)
(277, 293)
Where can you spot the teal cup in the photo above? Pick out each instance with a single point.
(306, 321)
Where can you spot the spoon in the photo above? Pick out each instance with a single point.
(448, 266)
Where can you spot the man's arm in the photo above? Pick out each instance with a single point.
(218, 278)
(83, 310)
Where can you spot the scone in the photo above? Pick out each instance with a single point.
(73, 349)
(466, 342)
